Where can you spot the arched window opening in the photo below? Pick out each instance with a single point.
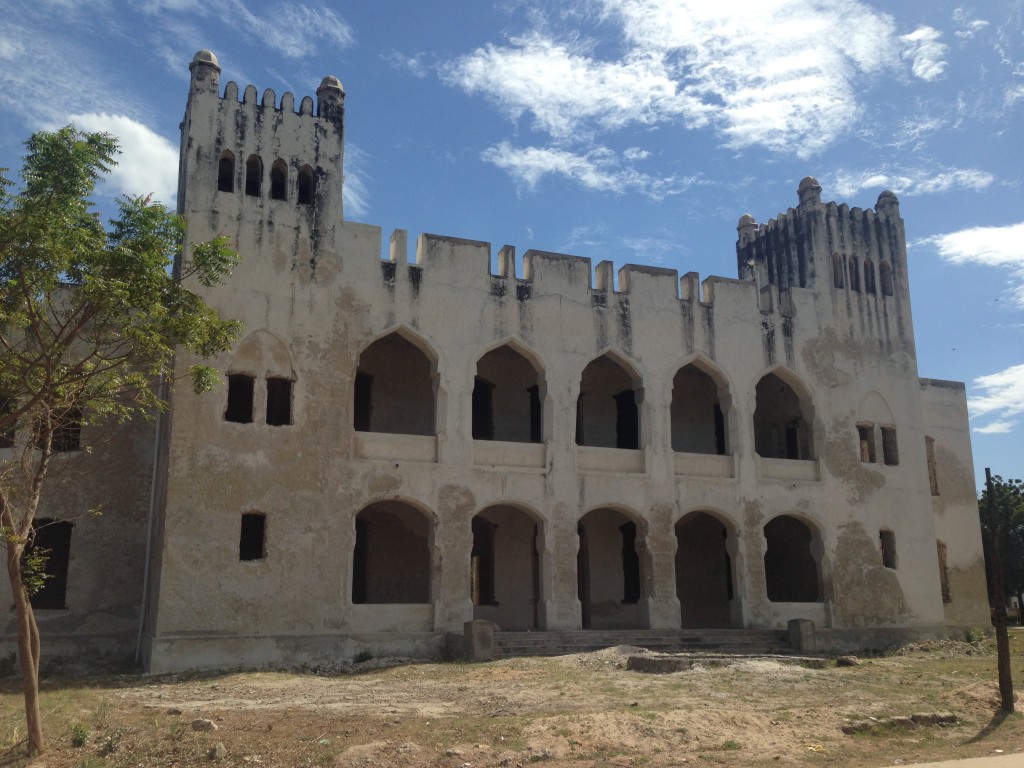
(226, 172)
(869, 276)
(890, 448)
(866, 438)
(279, 180)
(253, 176)
(305, 184)
(837, 271)
(791, 572)
(505, 568)
(608, 571)
(506, 398)
(703, 571)
(394, 390)
(782, 428)
(698, 421)
(854, 274)
(607, 411)
(391, 561)
(885, 277)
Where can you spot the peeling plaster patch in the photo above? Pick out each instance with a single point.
(382, 484)
(844, 463)
(867, 594)
(455, 502)
(819, 356)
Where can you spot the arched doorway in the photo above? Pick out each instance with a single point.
(704, 570)
(505, 567)
(782, 420)
(506, 397)
(391, 562)
(608, 409)
(609, 571)
(394, 388)
(792, 573)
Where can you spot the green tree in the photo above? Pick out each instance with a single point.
(1008, 496)
(90, 317)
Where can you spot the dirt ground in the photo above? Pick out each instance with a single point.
(578, 710)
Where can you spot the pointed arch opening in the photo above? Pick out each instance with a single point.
(608, 407)
(507, 397)
(705, 554)
(305, 185)
(505, 567)
(869, 276)
(885, 278)
(783, 420)
(395, 388)
(792, 572)
(854, 274)
(279, 180)
(391, 561)
(837, 271)
(699, 412)
(226, 172)
(253, 176)
(609, 570)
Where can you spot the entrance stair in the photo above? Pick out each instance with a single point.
(710, 641)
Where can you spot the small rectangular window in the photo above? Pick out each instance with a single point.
(363, 405)
(890, 450)
(252, 542)
(240, 392)
(279, 402)
(866, 435)
(888, 542)
(67, 435)
(52, 539)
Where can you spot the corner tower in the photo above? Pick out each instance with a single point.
(855, 260)
(260, 168)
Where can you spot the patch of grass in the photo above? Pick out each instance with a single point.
(731, 745)
(79, 735)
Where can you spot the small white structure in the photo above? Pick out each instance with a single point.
(402, 446)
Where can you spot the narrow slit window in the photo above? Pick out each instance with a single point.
(279, 402)
(947, 596)
(483, 409)
(6, 433)
(630, 564)
(837, 271)
(627, 420)
(363, 405)
(226, 172)
(253, 176)
(536, 414)
(240, 395)
(890, 449)
(854, 274)
(51, 539)
(866, 437)
(887, 541)
(305, 183)
(279, 181)
(253, 538)
(933, 472)
(869, 276)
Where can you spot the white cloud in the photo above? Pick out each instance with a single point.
(354, 194)
(598, 169)
(412, 64)
(925, 52)
(775, 73)
(906, 181)
(148, 163)
(1001, 395)
(1001, 247)
(968, 27)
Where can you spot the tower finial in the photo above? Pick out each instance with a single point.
(809, 191)
(205, 71)
(330, 100)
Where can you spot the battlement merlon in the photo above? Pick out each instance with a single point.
(796, 249)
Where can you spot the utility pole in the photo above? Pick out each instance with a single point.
(996, 582)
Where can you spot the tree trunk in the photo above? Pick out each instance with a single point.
(1002, 637)
(28, 649)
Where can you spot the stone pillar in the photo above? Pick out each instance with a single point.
(658, 562)
(452, 548)
(479, 640)
(801, 636)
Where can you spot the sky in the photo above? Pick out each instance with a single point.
(632, 130)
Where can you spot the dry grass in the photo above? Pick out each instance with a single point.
(582, 710)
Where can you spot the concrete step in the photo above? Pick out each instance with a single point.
(559, 642)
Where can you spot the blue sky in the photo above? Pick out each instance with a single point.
(630, 130)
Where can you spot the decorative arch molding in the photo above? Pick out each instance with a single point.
(521, 348)
(263, 353)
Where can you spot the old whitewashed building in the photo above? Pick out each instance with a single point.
(405, 444)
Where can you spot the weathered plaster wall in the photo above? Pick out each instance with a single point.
(320, 285)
